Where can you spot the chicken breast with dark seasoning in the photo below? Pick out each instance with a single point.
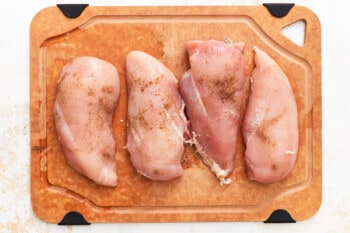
(156, 121)
(270, 127)
(86, 99)
(212, 90)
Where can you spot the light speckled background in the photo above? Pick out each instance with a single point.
(16, 214)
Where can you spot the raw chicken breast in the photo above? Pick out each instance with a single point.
(86, 99)
(156, 122)
(212, 90)
(270, 128)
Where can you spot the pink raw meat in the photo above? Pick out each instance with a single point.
(86, 99)
(270, 127)
(212, 90)
(156, 122)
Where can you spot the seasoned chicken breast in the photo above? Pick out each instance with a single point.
(86, 99)
(270, 127)
(156, 122)
(212, 90)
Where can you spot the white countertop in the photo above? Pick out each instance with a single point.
(16, 214)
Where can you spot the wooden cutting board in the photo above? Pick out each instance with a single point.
(112, 32)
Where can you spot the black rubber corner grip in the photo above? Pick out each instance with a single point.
(280, 216)
(279, 10)
(72, 10)
(73, 218)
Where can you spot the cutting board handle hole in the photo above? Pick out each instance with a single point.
(295, 32)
